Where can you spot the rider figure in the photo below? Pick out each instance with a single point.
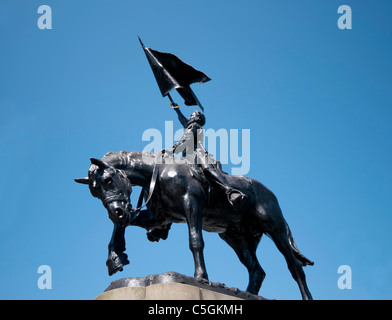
(192, 141)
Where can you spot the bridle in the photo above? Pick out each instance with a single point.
(121, 197)
(116, 197)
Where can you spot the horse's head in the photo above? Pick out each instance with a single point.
(112, 187)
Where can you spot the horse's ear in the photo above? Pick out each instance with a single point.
(82, 180)
(99, 163)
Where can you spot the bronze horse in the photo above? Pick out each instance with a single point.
(178, 193)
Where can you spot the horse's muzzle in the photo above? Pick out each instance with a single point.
(118, 213)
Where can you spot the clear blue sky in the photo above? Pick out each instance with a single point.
(317, 100)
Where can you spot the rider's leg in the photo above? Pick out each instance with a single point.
(234, 196)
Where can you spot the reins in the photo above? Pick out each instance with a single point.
(151, 190)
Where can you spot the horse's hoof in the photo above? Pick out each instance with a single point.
(158, 233)
(205, 281)
(151, 236)
(116, 262)
(202, 278)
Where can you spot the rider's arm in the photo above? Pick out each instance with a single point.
(181, 117)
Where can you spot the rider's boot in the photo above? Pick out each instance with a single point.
(234, 196)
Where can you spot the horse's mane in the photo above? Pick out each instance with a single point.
(123, 159)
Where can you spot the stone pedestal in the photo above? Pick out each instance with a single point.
(171, 286)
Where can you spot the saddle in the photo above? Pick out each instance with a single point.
(214, 193)
(195, 169)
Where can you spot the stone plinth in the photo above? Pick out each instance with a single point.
(171, 286)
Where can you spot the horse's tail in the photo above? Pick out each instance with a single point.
(305, 261)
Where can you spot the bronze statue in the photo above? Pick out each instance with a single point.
(189, 190)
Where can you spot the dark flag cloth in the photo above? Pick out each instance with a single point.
(172, 73)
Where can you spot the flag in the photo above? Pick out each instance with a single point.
(172, 73)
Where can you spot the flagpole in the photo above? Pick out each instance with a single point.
(172, 103)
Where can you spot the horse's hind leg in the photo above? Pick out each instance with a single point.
(280, 238)
(245, 248)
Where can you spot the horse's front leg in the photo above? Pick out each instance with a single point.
(193, 211)
(117, 259)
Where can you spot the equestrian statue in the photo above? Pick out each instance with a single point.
(190, 189)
